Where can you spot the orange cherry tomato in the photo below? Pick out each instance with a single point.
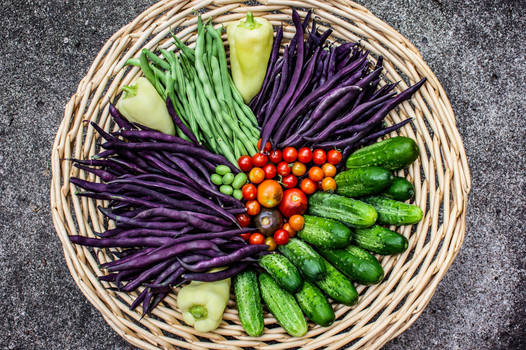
(271, 243)
(256, 175)
(308, 186)
(267, 148)
(257, 238)
(289, 229)
(334, 156)
(296, 222)
(328, 184)
(253, 208)
(328, 169)
(270, 193)
(299, 169)
(315, 173)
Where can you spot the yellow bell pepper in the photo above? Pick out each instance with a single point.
(142, 104)
(203, 303)
(250, 46)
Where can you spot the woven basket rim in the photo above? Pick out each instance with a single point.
(442, 189)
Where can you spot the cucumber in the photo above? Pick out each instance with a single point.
(349, 211)
(283, 306)
(363, 181)
(248, 301)
(393, 154)
(306, 259)
(337, 286)
(391, 212)
(380, 240)
(355, 263)
(324, 233)
(282, 270)
(314, 305)
(400, 189)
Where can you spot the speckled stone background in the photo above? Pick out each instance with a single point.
(477, 50)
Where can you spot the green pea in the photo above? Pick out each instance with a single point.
(226, 189)
(239, 180)
(222, 170)
(216, 179)
(228, 178)
(238, 194)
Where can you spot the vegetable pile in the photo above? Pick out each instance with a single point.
(291, 204)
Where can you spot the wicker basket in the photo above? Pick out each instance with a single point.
(441, 177)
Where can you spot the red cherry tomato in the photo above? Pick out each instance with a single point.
(305, 155)
(290, 154)
(275, 156)
(289, 181)
(245, 236)
(257, 238)
(283, 168)
(243, 220)
(281, 237)
(259, 159)
(294, 202)
(318, 156)
(249, 192)
(316, 174)
(267, 148)
(256, 175)
(334, 156)
(245, 163)
(308, 186)
(270, 171)
(253, 208)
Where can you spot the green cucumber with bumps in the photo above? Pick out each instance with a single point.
(392, 212)
(336, 286)
(363, 181)
(351, 212)
(380, 240)
(282, 270)
(393, 154)
(401, 189)
(314, 305)
(248, 301)
(306, 259)
(324, 233)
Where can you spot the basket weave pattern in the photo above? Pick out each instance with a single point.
(440, 175)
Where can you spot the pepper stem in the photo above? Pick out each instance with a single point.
(199, 312)
(130, 91)
(250, 22)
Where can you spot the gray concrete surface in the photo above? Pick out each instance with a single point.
(476, 49)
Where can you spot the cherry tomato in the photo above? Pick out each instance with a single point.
(305, 155)
(271, 243)
(270, 171)
(257, 238)
(275, 156)
(243, 220)
(328, 169)
(246, 236)
(267, 148)
(259, 159)
(283, 168)
(290, 154)
(315, 173)
(281, 237)
(318, 156)
(249, 192)
(308, 186)
(270, 193)
(253, 208)
(299, 169)
(294, 202)
(296, 222)
(328, 184)
(289, 229)
(256, 175)
(245, 163)
(289, 181)
(334, 156)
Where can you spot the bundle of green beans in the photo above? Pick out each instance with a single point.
(203, 94)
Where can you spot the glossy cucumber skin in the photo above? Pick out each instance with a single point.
(314, 305)
(380, 240)
(306, 259)
(324, 233)
(365, 181)
(351, 212)
(337, 286)
(393, 154)
(401, 189)
(282, 270)
(248, 299)
(283, 306)
(355, 263)
(392, 212)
